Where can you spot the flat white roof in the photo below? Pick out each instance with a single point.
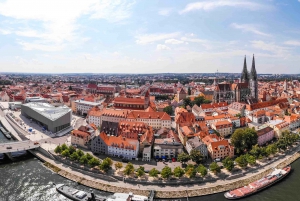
(48, 110)
(87, 102)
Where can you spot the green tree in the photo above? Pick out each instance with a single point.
(242, 161)
(196, 156)
(198, 100)
(237, 140)
(140, 171)
(202, 170)
(183, 157)
(250, 159)
(166, 172)
(214, 167)
(243, 139)
(79, 152)
(178, 172)
(250, 138)
(271, 149)
(64, 147)
(89, 156)
(129, 169)
(74, 156)
(106, 164)
(255, 151)
(191, 172)
(118, 165)
(187, 101)
(58, 149)
(153, 172)
(72, 149)
(93, 162)
(168, 110)
(83, 160)
(207, 101)
(228, 163)
(65, 153)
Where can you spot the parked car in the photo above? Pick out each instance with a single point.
(9, 147)
(124, 160)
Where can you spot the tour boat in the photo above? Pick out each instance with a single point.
(254, 187)
(78, 195)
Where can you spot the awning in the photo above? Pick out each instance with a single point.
(163, 157)
(157, 157)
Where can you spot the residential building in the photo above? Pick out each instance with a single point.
(223, 127)
(166, 148)
(82, 136)
(196, 144)
(156, 120)
(217, 147)
(265, 135)
(115, 146)
(279, 126)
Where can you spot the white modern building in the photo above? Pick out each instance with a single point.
(82, 107)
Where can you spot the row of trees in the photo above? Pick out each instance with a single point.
(258, 152)
(85, 159)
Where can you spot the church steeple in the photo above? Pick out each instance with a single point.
(253, 74)
(245, 75)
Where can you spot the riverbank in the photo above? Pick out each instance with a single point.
(167, 191)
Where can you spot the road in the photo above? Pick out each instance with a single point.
(17, 146)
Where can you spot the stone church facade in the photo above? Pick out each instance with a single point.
(245, 91)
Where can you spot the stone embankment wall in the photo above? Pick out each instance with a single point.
(178, 193)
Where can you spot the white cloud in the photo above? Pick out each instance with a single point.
(173, 41)
(165, 11)
(162, 47)
(278, 50)
(293, 42)
(150, 38)
(210, 5)
(58, 19)
(194, 40)
(5, 32)
(249, 28)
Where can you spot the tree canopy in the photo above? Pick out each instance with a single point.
(166, 172)
(214, 167)
(168, 110)
(243, 139)
(196, 156)
(178, 172)
(153, 172)
(202, 170)
(183, 157)
(129, 169)
(228, 163)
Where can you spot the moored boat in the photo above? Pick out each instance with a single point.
(18, 153)
(256, 186)
(78, 195)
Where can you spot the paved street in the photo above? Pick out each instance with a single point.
(17, 146)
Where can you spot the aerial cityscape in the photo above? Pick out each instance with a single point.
(149, 101)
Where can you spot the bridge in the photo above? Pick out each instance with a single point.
(17, 146)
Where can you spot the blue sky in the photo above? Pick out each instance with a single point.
(105, 36)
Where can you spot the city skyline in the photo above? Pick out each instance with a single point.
(169, 36)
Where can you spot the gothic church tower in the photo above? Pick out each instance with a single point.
(245, 74)
(253, 81)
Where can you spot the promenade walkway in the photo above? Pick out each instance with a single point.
(167, 191)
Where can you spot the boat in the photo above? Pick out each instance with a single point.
(7, 135)
(275, 176)
(78, 195)
(2, 156)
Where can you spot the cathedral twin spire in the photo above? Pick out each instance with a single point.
(245, 77)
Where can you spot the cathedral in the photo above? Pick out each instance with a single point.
(246, 90)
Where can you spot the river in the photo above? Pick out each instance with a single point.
(29, 180)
